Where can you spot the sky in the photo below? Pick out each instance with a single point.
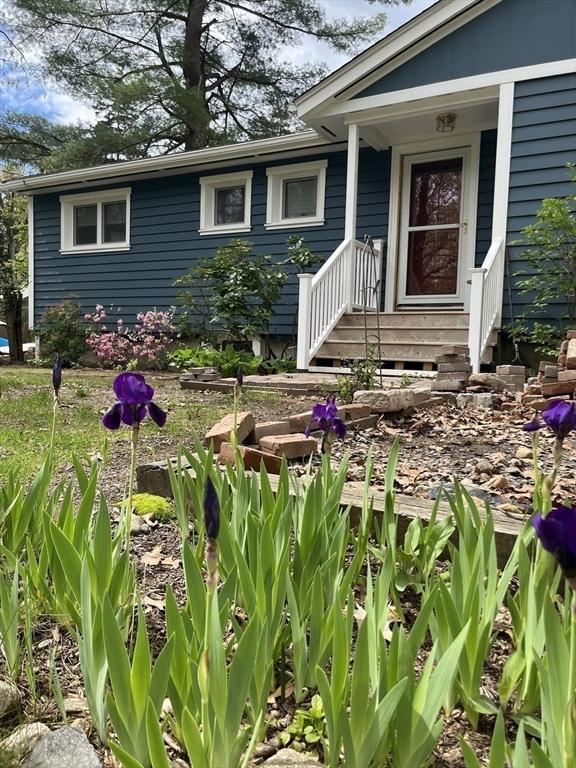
(20, 93)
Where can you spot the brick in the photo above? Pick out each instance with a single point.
(549, 379)
(352, 411)
(453, 376)
(558, 388)
(392, 399)
(462, 367)
(562, 361)
(366, 422)
(299, 421)
(571, 354)
(571, 334)
(510, 370)
(266, 428)
(448, 386)
(509, 406)
(551, 372)
(452, 359)
(567, 375)
(292, 446)
(513, 379)
(533, 389)
(540, 404)
(251, 458)
(221, 432)
(544, 363)
(454, 349)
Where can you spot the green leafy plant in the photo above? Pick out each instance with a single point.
(63, 331)
(151, 504)
(227, 360)
(549, 274)
(308, 728)
(241, 287)
(300, 254)
(363, 376)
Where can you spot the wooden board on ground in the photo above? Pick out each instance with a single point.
(153, 478)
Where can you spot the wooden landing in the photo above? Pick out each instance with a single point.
(153, 478)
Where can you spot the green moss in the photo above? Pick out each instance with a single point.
(149, 504)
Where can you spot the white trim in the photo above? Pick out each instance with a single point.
(549, 69)
(405, 36)
(444, 145)
(30, 263)
(67, 205)
(275, 194)
(502, 175)
(259, 150)
(352, 182)
(209, 185)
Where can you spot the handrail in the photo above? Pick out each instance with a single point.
(335, 289)
(485, 301)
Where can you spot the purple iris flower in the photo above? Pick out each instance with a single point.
(56, 376)
(211, 509)
(325, 419)
(557, 534)
(560, 417)
(134, 402)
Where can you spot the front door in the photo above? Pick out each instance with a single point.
(436, 251)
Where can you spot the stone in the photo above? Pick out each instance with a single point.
(9, 697)
(509, 406)
(567, 375)
(295, 446)
(571, 334)
(483, 466)
(510, 370)
(392, 399)
(464, 399)
(558, 388)
(540, 404)
(252, 458)
(452, 359)
(23, 738)
(571, 354)
(289, 758)
(543, 364)
(368, 422)
(221, 432)
(483, 400)
(266, 428)
(452, 376)
(562, 361)
(533, 389)
(523, 453)
(551, 372)
(454, 367)
(564, 346)
(454, 349)
(488, 381)
(64, 748)
(499, 482)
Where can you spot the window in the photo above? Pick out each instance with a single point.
(95, 221)
(296, 195)
(225, 203)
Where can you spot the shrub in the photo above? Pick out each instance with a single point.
(63, 332)
(146, 343)
(243, 289)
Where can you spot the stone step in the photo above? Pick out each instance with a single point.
(425, 351)
(406, 320)
(400, 334)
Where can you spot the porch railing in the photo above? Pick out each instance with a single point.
(349, 279)
(485, 301)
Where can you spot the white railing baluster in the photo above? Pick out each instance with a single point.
(484, 301)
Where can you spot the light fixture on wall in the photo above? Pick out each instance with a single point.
(446, 122)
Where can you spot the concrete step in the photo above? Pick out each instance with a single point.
(406, 320)
(399, 334)
(421, 351)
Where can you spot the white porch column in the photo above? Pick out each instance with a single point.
(352, 181)
(304, 320)
(502, 176)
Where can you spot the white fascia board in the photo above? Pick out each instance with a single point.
(248, 150)
(549, 69)
(391, 46)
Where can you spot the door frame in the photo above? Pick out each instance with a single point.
(445, 145)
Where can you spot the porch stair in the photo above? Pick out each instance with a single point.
(407, 339)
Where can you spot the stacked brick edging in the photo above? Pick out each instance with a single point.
(454, 369)
(555, 380)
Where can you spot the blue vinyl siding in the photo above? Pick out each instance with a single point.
(543, 142)
(515, 33)
(485, 195)
(164, 237)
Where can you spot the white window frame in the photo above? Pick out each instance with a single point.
(208, 188)
(275, 197)
(67, 205)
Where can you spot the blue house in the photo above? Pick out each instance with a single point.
(438, 142)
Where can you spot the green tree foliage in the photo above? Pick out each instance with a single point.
(548, 275)
(166, 75)
(243, 288)
(13, 267)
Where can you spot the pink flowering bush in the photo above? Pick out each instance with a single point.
(144, 344)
